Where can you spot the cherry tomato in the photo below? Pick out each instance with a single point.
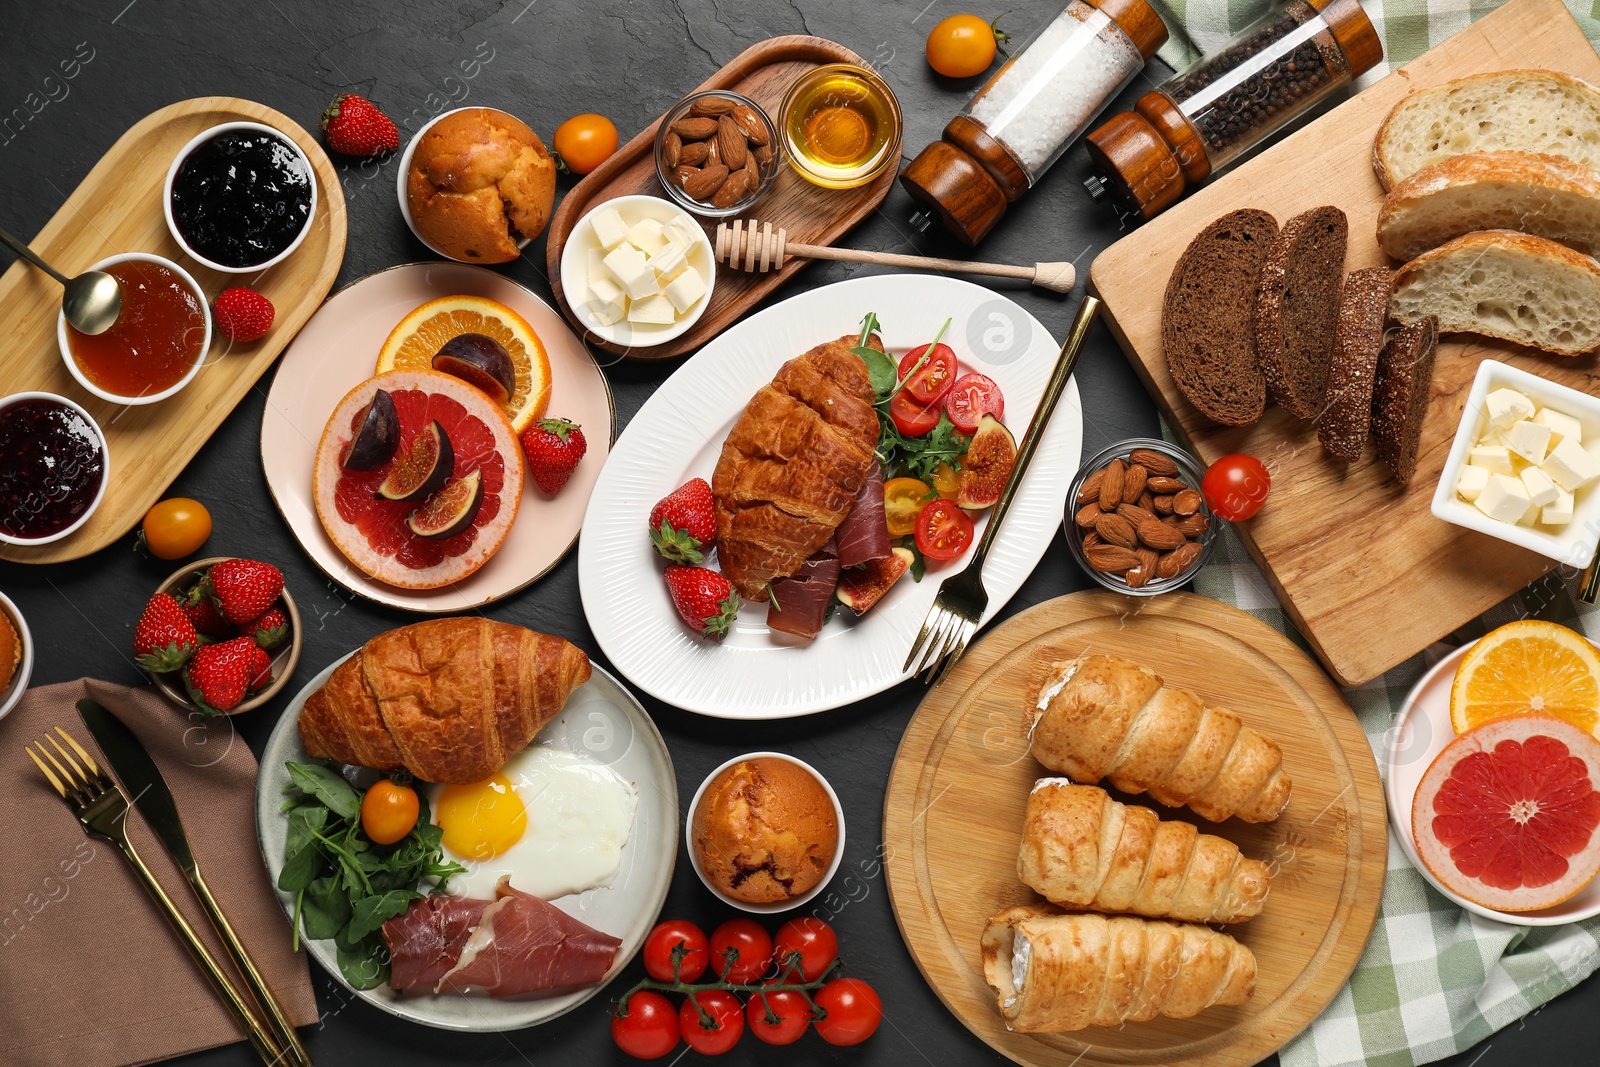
(175, 527)
(946, 481)
(962, 46)
(727, 1022)
(903, 499)
(972, 397)
(388, 811)
(585, 141)
(754, 945)
(943, 530)
(1236, 486)
(911, 418)
(658, 951)
(854, 1011)
(935, 377)
(790, 1017)
(650, 1029)
(812, 940)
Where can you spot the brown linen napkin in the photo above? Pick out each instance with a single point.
(91, 975)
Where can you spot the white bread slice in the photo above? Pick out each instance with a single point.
(1504, 284)
(1547, 196)
(1541, 111)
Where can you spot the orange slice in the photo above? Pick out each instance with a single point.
(413, 343)
(1528, 668)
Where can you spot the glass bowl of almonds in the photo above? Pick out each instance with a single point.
(717, 153)
(1136, 520)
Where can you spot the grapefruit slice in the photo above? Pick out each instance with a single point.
(1506, 815)
(1528, 667)
(372, 532)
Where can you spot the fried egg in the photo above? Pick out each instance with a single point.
(555, 821)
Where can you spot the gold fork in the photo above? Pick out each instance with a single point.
(98, 803)
(962, 599)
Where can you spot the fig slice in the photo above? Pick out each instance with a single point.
(479, 361)
(379, 435)
(986, 467)
(424, 468)
(451, 510)
(863, 586)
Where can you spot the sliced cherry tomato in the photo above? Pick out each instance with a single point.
(963, 46)
(650, 1029)
(946, 481)
(778, 1018)
(929, 383)
(903, 499)
(943, 530)
(175, 527)
(389, 811)
(754, 945)
(972, 397)
(809, 938)
(585, 141)
(854, 1011)
(1236, 486)
(911, 418)
(658, 951)
(727, 1022)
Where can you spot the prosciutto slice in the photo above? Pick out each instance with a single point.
(426, 941)
(800, 603)
(864, 534)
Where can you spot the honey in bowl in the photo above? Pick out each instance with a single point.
(156, 339)
(841, 126)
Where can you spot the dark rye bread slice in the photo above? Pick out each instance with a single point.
(1207, 332)
(1400, 399)
(1298, 308)
(1347, 413)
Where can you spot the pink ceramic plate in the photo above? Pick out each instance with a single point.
(337, 350)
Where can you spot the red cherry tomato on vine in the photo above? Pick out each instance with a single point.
(934, 378)
(1236, 486)
(727, 1022)
(854, 1011)
(943, 530)
(809, 938)
(911, 418)
(790, 1011)
(658, 951)
(972, 397)
(754, 945)
(650, 1029)
(585, 141)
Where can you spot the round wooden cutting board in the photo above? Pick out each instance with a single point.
(953, 820)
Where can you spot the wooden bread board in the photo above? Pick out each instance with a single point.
(117, 208)
(810, 213)
(953, 820)
(1364, 570)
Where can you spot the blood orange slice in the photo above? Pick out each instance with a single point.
(372, 532)
(1506, 816)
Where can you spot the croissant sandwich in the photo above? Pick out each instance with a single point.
(449, 700)
(1102, 717)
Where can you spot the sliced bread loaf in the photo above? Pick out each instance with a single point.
(1498, 283)
(1510, 110)
(1297, 308)
(1206, 331)
(1547, 196)
(1347, 415)
(1400, 399)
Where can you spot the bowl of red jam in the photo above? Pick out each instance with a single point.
(158, 342)
(54, 465)
(240, 197)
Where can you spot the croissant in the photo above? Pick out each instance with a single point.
(1081, 849)
(1054, 972)
(1101, 717)
(449, 700)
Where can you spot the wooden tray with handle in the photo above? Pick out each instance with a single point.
(1363, 568)
(117, 208)
(952, 821)
(810, 213)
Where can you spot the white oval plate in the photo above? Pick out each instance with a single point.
(678, 434)
(1421, 731)
(601, 719)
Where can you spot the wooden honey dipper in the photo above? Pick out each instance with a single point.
(742, 246)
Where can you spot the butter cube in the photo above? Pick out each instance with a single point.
(1530, 440)
(1471, 482)
(628, 265)
(606, 302)
(668, 261)
(683, 233)
(1541, 490)
(609, 229)
(1559, 513)
(1496, 459)
(1507, 406)
(653, 310)
(1503, 499)
(1571, 465)
(686, 289)
(1561, 425)
(647, 236)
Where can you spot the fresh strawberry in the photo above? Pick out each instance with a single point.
(683, 521)
(218, 676)
(355, 127)
(260, 669)
(243, 588)
(553, 448)
(269, 630)
(704, 598)
(165, 638)
(202, 611)
(242, 315)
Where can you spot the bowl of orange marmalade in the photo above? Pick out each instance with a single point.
(158, 342)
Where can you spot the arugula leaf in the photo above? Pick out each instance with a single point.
(325, 784)
(371, 912)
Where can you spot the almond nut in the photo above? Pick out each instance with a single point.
(1133, 483)
(1116, 530)
(1134, 513)
(1090, 489)
(694, 129)
(1159, 535)
(735, 189)
(1186, 502)
(694, 153)
(749, 124)
(1110, 559)
(1087, 515)
(711, 106)
(705, 182)
(1192, 525)
(1160, 483)
(671, 149)
(731, 145)
(1153, 461)
(1163, 504)
(1111, 485)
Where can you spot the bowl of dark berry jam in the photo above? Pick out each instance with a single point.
(240, 197)
(158, 342)
(53, 468)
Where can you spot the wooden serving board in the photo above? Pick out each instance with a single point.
(810, 213)
(1363, 568)
(117, 208)
(952, 821)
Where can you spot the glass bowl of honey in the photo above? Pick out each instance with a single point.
(840, 125)
(717, 153)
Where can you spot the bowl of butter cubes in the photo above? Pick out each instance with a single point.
(1525, 465)
(638, 271)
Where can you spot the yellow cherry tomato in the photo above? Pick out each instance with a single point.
(389, 811)
(585, 141)
(962, 46)
(946, 481)
(175, 527)
(903, 500)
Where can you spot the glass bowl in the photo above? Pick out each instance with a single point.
(1189, 471)
(840, 98)
(686, 108)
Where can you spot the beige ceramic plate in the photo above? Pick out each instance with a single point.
(338, 349)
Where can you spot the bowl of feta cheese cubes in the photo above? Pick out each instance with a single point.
(638, 270)
(1525, 465)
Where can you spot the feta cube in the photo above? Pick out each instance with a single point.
(609, 229)
(632, 272)
(653, 310)
(1503, 499)
(647, 236)
(683, 232)
(668, 261)
(1559, 513)
(1507, 406)
(1541, 490)
(1561, 425)
(686, 289)
(1471, 482)
(1571, 465)
(606, 302)
(1530, 440)
(1496, 459)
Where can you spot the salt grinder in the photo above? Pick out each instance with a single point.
(1269, 74)
(1037, 104)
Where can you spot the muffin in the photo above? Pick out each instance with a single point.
(765, 831)
(479, 180)
(10, 651)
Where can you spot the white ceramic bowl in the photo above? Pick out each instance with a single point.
(405, 171)
(105, 476)
(19, 680)
(782, 905)
(1574, 545)
(183, 154)
(64, 337)
(575, 271)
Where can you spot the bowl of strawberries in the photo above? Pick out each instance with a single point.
(220, 636)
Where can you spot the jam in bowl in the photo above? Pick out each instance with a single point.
(240, 197)
(53, 468)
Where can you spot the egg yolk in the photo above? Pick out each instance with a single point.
(483, 819)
